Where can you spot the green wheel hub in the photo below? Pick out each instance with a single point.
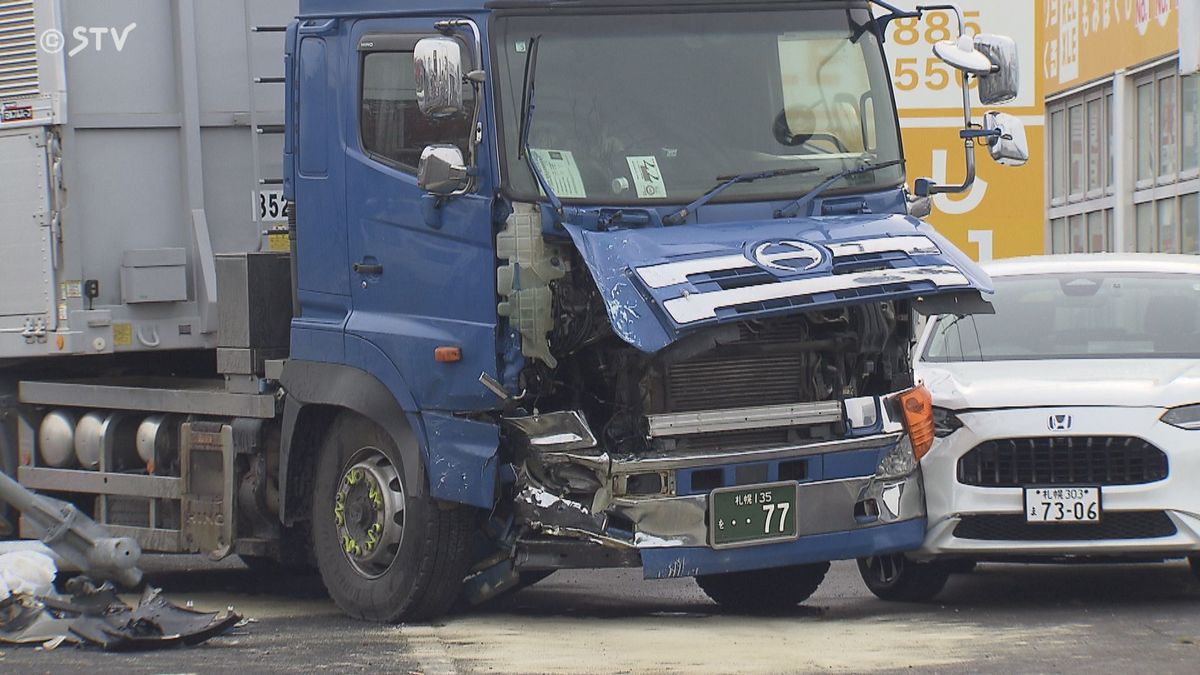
(368, 511)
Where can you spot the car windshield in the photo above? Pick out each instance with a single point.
(1077, 316)
(653, 107)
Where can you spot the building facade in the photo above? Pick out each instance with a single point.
(1122, 120)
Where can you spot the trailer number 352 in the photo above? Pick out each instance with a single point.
(270, 206)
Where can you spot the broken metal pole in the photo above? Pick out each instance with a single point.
(75, 537)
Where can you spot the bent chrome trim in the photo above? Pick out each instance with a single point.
(694, 307)
(669, 274)
(734, 419)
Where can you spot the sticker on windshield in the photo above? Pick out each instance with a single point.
(560, 171)
(647, 177)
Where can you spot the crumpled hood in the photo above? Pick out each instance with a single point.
(662, 283)
(1164, 383)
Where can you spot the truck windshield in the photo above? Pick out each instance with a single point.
(653, 107)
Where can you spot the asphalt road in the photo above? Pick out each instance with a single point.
(1000, 618)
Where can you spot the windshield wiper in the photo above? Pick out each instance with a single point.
(729, 181)
(791, 210)
(527, 107)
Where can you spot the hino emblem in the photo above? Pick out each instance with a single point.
(1059, 423)
(788, 256)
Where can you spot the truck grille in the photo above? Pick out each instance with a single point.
(1065, 460)
(1112, 525)
(762, 371)
(18, 50)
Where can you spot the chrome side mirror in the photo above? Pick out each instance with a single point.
(442, 170)
(437, 67)
(1006, 138)
(1004, 82)
(961, 54)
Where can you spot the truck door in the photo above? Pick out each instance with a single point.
(27, 242)
(422, 276)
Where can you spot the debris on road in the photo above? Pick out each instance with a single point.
(96, 616)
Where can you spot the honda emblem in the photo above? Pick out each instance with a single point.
(1059, 423)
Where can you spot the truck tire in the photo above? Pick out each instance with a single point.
(384, 554)
(896, 578)
(775, 589)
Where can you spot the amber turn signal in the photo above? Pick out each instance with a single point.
(447, 354)
(917, 406)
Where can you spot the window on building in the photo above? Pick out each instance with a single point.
(1058, 155)
(1145, 132)
(1168, 125)
(1144, 223)
(1189, 220)
(1190, 124)
(1080, 166)
(1168, 165)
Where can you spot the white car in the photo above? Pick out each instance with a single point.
(1067, 422)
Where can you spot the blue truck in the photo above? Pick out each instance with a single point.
(544, 284)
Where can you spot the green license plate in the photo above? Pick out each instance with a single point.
(752, 514)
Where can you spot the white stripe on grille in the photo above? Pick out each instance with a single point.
(695, 307)
(669, 274)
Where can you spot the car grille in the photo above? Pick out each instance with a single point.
(1065, 460)
(1112, 525)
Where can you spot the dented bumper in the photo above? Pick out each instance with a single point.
(845, 506)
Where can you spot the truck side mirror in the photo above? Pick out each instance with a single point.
(1006, 138)
(962, 55)
(442, 170)
(1004, 82)
(437, 67)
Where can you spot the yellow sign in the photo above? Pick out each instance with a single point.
(1088, 39)
(1003, 214)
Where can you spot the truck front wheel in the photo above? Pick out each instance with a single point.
(895, 577)
(775, 589)
(384, 554)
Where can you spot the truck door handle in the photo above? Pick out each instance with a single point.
(368, 269)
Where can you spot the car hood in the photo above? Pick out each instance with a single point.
(662, 283)
(1164, 383)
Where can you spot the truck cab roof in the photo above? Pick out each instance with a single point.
(316, 8)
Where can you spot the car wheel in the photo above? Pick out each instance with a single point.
(758, 590)
(1194, 562)
(383, 553)
(895, 577)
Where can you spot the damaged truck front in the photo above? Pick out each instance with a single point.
(641, 279)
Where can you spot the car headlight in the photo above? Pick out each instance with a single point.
(1184, 417)
(945, 422)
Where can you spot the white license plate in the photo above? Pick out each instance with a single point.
(1062, 505)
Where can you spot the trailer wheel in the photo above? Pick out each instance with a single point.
(894, 577)
(775, 589)
(384, 554)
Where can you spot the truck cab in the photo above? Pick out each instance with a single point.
(624, 284)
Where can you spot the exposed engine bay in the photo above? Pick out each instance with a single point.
(603, 430)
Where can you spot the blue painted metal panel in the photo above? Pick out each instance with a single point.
(437, 287)
(839, 465)
(636, 310)
(461, 463)
(671, 563)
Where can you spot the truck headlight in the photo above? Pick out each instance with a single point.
(898, 462)
(1184, 417)
(945, 422)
